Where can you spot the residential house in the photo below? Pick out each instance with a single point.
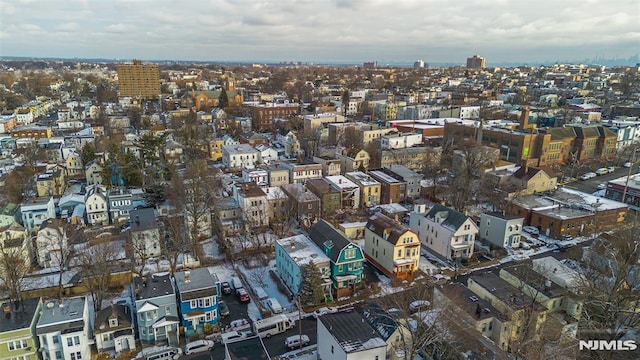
(248, 348)
(347, 258)
(353, 230)
(370, 188)
(254, 204)
(173, 151)
(93, 173)
(412, 158)
(530, 180)
(16, 243)
(347, 336)
(8, 215)
(330, 166)
(391, 247)
(215, 149)
(291, 145)
(156, 311)
(527, 317)
(349, 191)
(299, 173)
(267, 154)
(198, 293)
(279, 206)
(393, 189)
(474, 311)
(352, 159)
(306, 204)
(145, 234)
(544, 291)
(96, 204)
(51, 182)
(64, 329)
(393, 330)
(121, 202)
(228, 218)
(258, 176)
(278, 175)
(293, 255)
(330, 198)
(51, 246)
(74, 166)
(70, 203)
(35, 211)
(240, 156)
(114, 330)
(411, 177)
(18, 329)
(501, 230)
(395, 140)
(444, 231)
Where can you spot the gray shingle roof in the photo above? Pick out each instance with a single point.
(453, 219)
(351, 332)
(322, 232)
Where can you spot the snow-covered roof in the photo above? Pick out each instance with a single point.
(302, 250)
(341, 182)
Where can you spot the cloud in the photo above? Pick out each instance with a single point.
(119, 28)
(68, 27)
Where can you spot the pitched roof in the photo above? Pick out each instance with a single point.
(380, 223)
(527, 173)
(453, 219)
(322, 232)
(121, 312)
(351, 332)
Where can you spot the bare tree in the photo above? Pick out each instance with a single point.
(13, 266)
(97, 263)
(174, 239)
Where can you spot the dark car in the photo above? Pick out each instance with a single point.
(226, 288)
(223, 307)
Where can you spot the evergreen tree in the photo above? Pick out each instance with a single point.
(311, 287)
(223, 100)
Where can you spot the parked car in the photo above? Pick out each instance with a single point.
(587, 176)
(295, 341)
(611, 169)
(273, 305)
(242, 295)
(240, 324)
(260, 293)
(223, 308)
(602, 171)
(323, 311)
(628, 164)
(418, 305)
(232, 336)
(525, 246)
(198, 346)
(226, 288)
(602, 186)
(531, 230)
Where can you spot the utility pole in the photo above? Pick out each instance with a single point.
(626, 183)
(299, 321)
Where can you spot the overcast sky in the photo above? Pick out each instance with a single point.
(321, 30)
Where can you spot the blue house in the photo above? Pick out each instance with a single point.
(156, 311)
(293, 254)
(198, 293)
(347, 258)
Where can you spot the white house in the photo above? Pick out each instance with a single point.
(64, 329)
(502, 230)
(51, 242)
(347, 336)
(113, 329)
(240, 156)
(97, 206)
(258, 176)
(444, 231)
(267, 154)
(254, 204)
(24, 116)
(36, 211)
(93, 173)
(396, 140)
(145, 234)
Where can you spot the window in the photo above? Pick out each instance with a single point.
(332, 349)
(69, 341)
(350, 253)
(56, 339)
(113, 322)
(58, 355)
(76, 340)
(76, 355)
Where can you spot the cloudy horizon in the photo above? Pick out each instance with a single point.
(387, 31)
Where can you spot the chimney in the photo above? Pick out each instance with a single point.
(7, 311)
(186, 276)
(137, 219)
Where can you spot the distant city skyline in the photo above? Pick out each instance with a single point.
(322, 31)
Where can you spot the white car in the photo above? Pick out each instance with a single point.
(611, 169)
(628, 164)
(587, 176)
(198, 346)
(525, 246)
(419, 305)
(232, 336)
(295, 341)
(602, 186)
(531, 230)
(273, 305)
(324, 311)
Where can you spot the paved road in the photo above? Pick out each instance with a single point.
(275, 344)
(591, 185)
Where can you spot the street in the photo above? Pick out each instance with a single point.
(274, 345)
(591, 185)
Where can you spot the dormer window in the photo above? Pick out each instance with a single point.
(113, 322)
